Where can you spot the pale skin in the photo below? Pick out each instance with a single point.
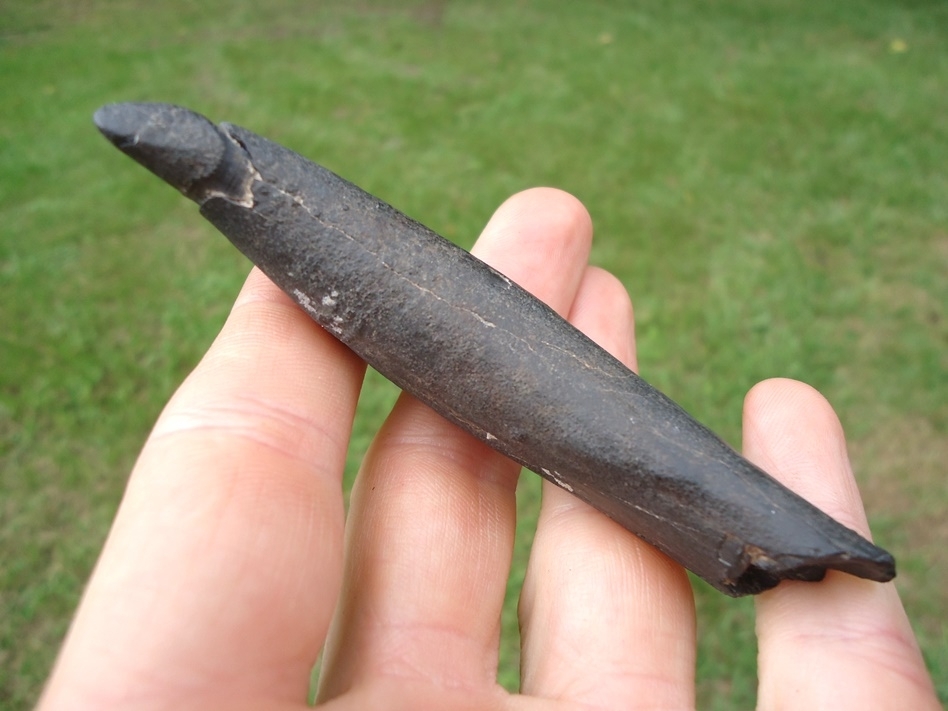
(231, 563)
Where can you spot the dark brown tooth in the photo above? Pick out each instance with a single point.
(491, 358)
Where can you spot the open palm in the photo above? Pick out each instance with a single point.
(231, 564)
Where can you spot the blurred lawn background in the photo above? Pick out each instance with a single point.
(768, 180)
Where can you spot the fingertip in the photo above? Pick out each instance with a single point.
(259, 287)
(792, 432)
(558, 205)
(792, 398)
(774, 412)
(539, 238)
(603, 310)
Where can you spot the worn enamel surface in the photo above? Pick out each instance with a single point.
(491, 358)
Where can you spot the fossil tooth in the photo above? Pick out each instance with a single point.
(491, 358)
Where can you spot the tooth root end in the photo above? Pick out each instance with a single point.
(754, 571)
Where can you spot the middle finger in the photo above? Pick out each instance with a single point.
(432, 515)
(607, 620)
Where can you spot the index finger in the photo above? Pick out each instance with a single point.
(224, 562)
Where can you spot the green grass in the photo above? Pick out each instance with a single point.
(768, 179)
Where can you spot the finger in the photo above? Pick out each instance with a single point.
(432, 515)
(224, 562)
(607, 621)
(844, 643)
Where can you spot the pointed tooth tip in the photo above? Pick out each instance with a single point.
(108, 115)
(177, 144)
(121, 122)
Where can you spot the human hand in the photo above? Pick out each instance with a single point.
(227, 569)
